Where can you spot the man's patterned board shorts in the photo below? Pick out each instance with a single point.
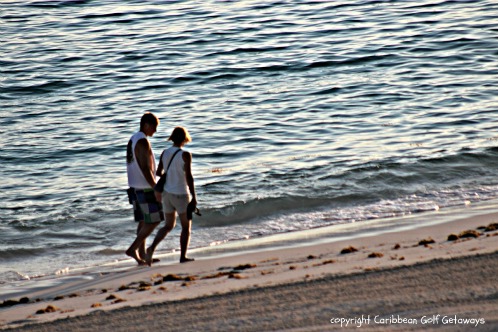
(145, 206)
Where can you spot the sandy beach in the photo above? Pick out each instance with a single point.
(440, 276)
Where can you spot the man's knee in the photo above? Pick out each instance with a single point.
(148, 228)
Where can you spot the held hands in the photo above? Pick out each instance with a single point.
(158, 196)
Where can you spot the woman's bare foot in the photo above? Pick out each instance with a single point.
(186, 260)
(148, 257)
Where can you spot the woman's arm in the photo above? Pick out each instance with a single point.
(160, 167)
(187, 158)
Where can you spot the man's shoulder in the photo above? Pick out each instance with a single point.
(138, 135)
(139, 138)
(142, 143)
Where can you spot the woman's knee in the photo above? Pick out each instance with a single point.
(170, 224)
(168, 227)
(186, 233)
(186, 223)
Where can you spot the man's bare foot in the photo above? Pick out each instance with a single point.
(134, 255)
(186, 260)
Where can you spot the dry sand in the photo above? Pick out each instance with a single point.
(392, 282)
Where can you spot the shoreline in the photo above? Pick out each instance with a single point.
(307, 237)
(263, 271)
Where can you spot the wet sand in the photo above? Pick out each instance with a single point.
(408, 280)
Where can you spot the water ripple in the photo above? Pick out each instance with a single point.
(341, 106)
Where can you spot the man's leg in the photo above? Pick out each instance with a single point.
(141, 236)
(152, 215)
(161, 234)
(139, 218)
(141, 248)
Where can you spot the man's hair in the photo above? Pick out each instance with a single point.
(180, 136)
(148, 118)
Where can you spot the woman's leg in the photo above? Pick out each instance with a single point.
(185, 237)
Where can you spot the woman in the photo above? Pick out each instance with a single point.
(177, 165)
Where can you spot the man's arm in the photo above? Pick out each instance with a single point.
(143, 153)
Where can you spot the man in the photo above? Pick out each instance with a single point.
(141, 170)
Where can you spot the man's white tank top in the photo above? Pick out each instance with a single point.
(176, 182)
(136, 179)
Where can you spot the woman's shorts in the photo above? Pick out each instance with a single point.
(145, 206)
(175, 202)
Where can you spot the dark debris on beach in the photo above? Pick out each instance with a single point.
(472, 234)
(375, 255)
(426, 242)
(50, 308)
(348, 250)
(10, 303)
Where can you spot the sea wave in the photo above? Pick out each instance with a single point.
(10, 276)
(374, 190)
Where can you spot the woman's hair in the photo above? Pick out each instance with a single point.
(180, 136)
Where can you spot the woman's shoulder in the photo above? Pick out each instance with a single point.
(187, 156)
(170, 150)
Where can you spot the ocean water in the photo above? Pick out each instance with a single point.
(303, 114)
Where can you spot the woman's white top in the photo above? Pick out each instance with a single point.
(176, 182)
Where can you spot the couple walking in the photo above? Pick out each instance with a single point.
(153, 203)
